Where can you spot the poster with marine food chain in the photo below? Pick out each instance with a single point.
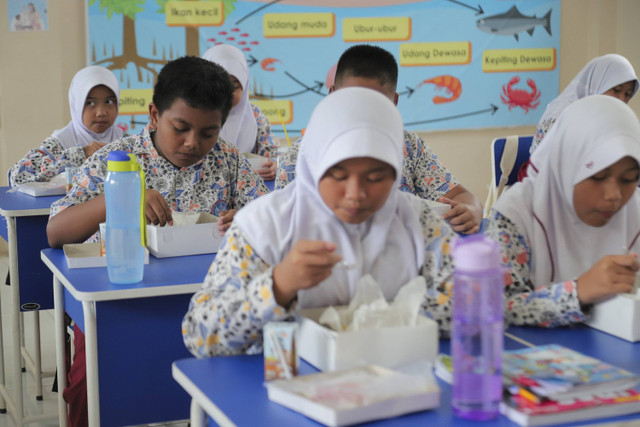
(462, 64)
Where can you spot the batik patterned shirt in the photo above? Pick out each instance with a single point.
(549, 305)
(236, 300)
(422, 173)
(222, 180)
(45, 162)
(266, 142)
(541, 131)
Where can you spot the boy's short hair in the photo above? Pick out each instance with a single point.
(200, 83)
(368, 61)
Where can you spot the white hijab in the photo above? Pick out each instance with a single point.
(597, 77)
(589, 136)
(349, 123)
(76, 133)
(241, 128)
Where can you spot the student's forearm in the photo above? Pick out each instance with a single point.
(76, 223)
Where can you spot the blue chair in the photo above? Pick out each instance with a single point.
(507, 157)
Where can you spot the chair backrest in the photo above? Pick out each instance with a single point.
(498, 151)
(507, 157)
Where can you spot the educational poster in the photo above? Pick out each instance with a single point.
(462, 64)
(27, 15)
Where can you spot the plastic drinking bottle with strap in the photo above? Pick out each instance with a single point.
(126, 228)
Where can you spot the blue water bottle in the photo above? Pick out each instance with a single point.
(477, 331)
(126, 223)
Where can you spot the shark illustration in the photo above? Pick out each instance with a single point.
(513, 22)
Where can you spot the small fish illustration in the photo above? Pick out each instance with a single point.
(266, 64)
(211, 40)
(222, 33)
(450, 83)
(513, 22)
(244, 35)
(231, 38)
(235, 30)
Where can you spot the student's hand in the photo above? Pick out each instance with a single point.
(307, 264)
(92, 148)
(224, 220)
(268, 171)
(613, 274)
(461, 217)
(156, 209)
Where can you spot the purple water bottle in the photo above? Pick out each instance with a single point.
(477, 332)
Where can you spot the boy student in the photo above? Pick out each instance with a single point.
(187, 168)
(422, 173)
(307, 245)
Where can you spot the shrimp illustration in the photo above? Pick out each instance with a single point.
(450, 83)
(266, 64)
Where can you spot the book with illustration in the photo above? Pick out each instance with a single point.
(523, 411)
(555, 372)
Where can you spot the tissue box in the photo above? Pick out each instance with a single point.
(619, 316)
(255, 160)
(329, 350)
(183, 240)
(37, 189)
(85, 255)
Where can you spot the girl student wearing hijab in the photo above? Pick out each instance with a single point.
(93, 100)
(610, 74)
(246, 127)
(284, 250)
(569, 233)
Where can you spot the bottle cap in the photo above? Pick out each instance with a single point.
(121, 161)
(476, 253)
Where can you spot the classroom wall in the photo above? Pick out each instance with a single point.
(36, 69)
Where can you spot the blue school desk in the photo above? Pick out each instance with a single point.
(132, 335)
(230, 389)
(23, 225)
(586, 340)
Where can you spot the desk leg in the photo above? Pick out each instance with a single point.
(14, 315)
(3, 406)
(23, 367)
(58, 312)
(91, 349)
(197, 415)
(37, 369)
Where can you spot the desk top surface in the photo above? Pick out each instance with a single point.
(162, 276)
(586, 340)
(19, 204)
(227, 383)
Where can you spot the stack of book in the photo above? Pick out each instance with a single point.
(552, 384)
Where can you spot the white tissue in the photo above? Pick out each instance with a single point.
(191, 218)
(369, 309)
